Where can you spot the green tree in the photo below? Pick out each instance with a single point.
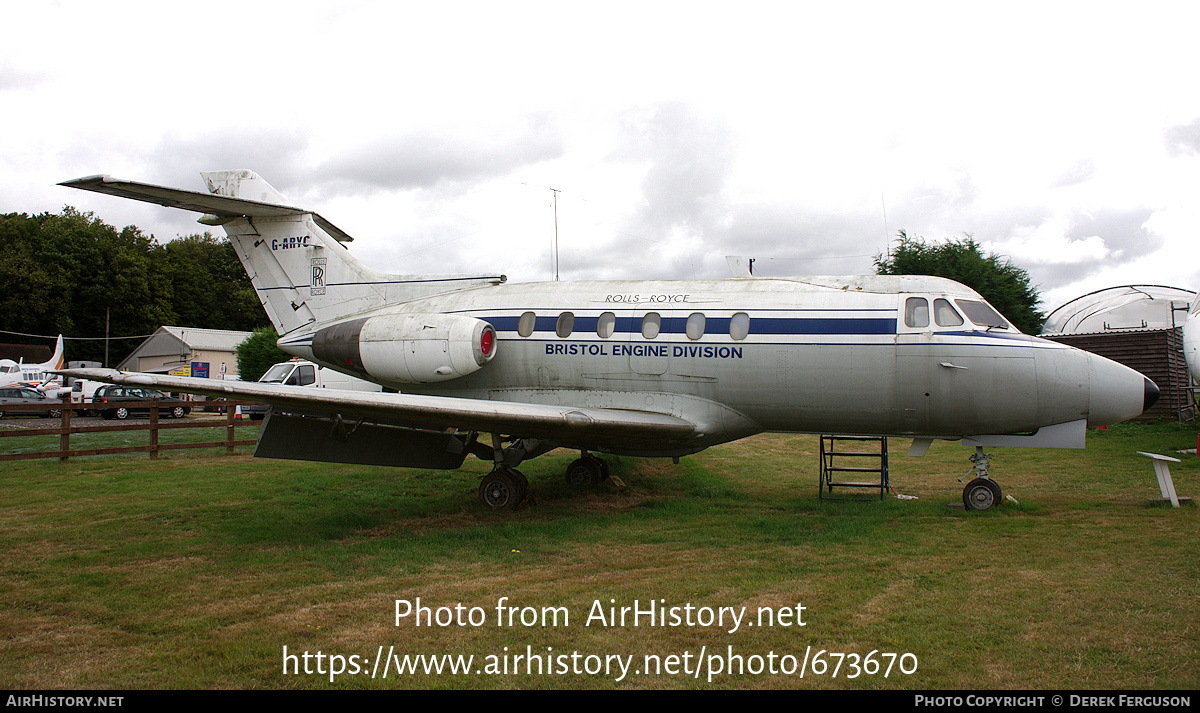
(209, 287)
(1004, 285)
(258, 352)
(69, 272)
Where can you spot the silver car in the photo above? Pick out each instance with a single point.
(13, 395)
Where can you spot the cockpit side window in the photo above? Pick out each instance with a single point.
(944, 314)
(916, 312)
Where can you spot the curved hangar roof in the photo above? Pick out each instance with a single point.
(1120, 308)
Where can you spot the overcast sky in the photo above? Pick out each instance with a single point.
(1063, 135)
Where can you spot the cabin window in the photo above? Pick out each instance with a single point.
(565, 324)
(944, 315)
(916, 312)
(695, 325)
(981, 313)
(651, 324)
(525, 324)
(739, 326)
(606, 325)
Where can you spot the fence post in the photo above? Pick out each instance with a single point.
(154, 430)
(229, 419)
(64, 438)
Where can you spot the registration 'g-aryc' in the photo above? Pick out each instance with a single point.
(511, 371)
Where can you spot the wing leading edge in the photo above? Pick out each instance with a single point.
(567, 424)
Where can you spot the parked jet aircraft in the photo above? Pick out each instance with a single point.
(1191, 340)
(655, 368)
(12, 372)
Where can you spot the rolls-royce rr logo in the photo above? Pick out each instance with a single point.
(318, 276)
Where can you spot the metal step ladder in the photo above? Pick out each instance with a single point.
(853, 455)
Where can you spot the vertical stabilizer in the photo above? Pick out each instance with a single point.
(295, 258)
(299, 267)
(241, 183)
(57, 361)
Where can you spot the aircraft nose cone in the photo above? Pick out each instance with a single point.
(1118, 393)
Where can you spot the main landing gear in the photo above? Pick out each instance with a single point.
(588, 470)
(981, 493)
(504, 488)
(507, 488)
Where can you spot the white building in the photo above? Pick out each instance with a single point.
(198, 352)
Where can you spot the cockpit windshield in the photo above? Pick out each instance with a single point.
(981, 314)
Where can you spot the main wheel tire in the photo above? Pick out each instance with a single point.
(585, 471)
(121, 414)
(178, 412)
(499, 489)
(982, 494)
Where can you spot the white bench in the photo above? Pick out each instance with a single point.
(1163, 472)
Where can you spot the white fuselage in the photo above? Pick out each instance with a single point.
(824, 354)
(654, 367)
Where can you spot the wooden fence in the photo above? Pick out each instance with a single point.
(66, 430)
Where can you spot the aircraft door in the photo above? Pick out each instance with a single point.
(649, 350)
(913, 384)
(951, 381)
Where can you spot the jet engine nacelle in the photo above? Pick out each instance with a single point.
(408, 348)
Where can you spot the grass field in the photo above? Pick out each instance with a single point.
(196, 570)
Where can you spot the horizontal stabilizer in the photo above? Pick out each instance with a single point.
(222, 206)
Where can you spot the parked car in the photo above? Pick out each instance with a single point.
(13, 395)
(107, 400)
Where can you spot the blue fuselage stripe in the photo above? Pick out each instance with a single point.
(714, 325)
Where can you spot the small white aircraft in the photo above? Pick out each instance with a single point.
(36, 375)
(657, 368)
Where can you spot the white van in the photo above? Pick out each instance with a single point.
(299, 372)
(82, 391)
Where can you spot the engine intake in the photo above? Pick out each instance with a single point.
(409, 348)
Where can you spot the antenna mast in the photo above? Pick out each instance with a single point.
(555, 191)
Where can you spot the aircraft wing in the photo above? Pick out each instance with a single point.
(559, 423)
(223, 206)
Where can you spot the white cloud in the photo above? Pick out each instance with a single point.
(1049, 243)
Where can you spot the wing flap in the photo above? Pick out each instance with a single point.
(218, 205)
(565, 423)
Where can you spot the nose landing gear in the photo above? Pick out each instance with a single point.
(981, 493)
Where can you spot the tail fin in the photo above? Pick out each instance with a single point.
(294, 257)
(57, 361)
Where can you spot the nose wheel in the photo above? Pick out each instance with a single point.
(981, 493)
